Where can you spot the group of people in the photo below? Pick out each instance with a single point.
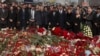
(71, 18)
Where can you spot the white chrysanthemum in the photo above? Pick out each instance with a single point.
(32, 48)
(87, 31)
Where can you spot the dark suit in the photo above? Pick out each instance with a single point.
(45, 19)
(38, 18)
(61, 18)
(12, 16)
(18, 26)
(4, 15)
(41, 18)
(23, 18)
(53, 18)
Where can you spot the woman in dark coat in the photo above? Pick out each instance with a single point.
(68, 20)
(77, 21)
(88, 25)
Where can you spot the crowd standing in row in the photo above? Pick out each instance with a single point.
(70, 18)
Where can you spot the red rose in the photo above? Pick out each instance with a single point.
(95, 39)
(65, 33)
(57, 31)
(41, 30)
(81, 43)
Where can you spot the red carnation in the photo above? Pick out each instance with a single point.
(29, 54)
(65, 33)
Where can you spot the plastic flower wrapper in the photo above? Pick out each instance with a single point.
(88, 52)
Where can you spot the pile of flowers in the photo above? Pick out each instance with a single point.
(42, 42)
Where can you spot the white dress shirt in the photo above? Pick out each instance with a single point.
(32, 14)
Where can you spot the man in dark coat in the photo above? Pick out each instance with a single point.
(3, 16)
(12, 18)
(38, 16)
(41, 17)
(24, 16)
(45, 17)
(96, 23)
(61, 16)
(53, 17)
(76, 22)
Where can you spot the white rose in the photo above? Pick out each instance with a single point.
(39, 49)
